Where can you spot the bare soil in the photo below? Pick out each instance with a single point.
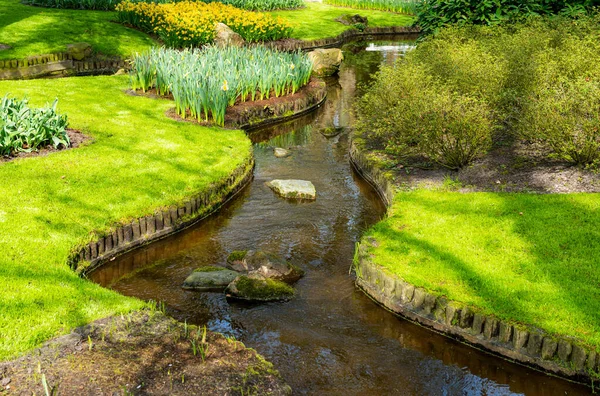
(77, 139)
(143, 353)
(517, 167)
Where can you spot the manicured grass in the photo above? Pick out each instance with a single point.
(140, 160)
(317, 20)
(532, 259)
(36, 31)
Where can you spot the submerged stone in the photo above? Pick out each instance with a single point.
(258, 288)
(281, 153)
(332, 131)
(296, 189)
(210, 280)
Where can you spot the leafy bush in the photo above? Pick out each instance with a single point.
(567, 118)
(537, 80)
(435, 14)
(400, 6)
(192, 23)
(408, 113)
(26, 129)
(206, 81)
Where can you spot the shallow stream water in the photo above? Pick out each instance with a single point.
(330, 339)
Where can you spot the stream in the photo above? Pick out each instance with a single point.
(331, 338)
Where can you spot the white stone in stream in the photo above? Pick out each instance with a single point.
(298, 189)
(280, 152)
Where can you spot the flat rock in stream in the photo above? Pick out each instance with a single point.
(294, 189)
(212, 280)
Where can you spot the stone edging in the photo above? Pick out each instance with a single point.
(527, 345)
(57, 64)
(343, 37)
(161, 223)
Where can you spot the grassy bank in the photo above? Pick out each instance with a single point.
(530, 259)
(317, 20)
(139, 160)
(35, 31)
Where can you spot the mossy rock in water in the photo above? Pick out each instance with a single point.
(258, 288)
(236, 262)
(209, 268)
(210, 280)
(332, 131)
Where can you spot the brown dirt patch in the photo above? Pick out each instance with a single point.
(4, 46)
(77, 139)
(518, 167)
(141, 353)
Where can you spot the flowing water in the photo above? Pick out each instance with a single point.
(330, 339)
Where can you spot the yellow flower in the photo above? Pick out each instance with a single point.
(225, 87)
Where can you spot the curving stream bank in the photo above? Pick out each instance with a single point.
(331, 338)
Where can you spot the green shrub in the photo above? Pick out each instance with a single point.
(408, 113)
(567, 118)
(432, 15)
(26, 129)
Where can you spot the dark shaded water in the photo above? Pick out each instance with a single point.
(331, 339)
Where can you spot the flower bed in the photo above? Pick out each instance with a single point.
(207, 81)
(192, 23)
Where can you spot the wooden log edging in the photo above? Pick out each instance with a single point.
(287, 110)
(342, 38)
(559, 355)
(57, 64)
(160, 224)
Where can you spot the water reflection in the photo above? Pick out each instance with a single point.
(331, 339)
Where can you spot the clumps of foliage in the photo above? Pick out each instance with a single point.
(435, 14)
(205, 82)
(534, 81)
(410, 114)
(25, 129)
(399, 6)
(192, 23)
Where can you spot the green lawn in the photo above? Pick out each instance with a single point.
(36, 31)
(317, 20)
(140, 160)
(533, 259)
